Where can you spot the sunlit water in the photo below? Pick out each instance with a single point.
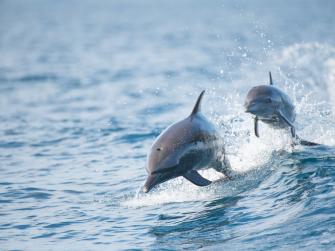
(86, 86)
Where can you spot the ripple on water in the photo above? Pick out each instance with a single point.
(27, 193)
(82, 101)
(135, 137)
(12, 144)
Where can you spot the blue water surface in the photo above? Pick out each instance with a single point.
(86, 86)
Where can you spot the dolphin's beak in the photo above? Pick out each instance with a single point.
(247, 109)
(151, 181)
(251, 108)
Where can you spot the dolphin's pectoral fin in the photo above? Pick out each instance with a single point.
(194, 177)
(256, 126)
(288, 122)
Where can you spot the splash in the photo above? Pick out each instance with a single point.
(312, 66)
(307, 73)
(176, 190)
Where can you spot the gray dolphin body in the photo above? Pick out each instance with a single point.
(273, 107)
(185, 147)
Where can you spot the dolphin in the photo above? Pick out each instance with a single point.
(185, 147)
(274, 107)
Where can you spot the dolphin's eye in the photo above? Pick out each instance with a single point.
(159, 149)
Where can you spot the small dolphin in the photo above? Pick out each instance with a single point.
(185, 147)
(273, 107)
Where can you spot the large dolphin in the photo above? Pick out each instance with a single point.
(185, 147)
(273, 107)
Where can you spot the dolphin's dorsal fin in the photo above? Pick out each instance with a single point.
(198, 104)
(270, 76)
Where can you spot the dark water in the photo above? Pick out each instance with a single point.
(86, 86)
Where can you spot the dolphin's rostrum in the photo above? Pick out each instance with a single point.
(185, 147)
(272, 106)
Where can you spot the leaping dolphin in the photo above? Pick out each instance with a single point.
(273, 107)
(185, 147)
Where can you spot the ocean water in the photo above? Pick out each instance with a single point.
(86, 86)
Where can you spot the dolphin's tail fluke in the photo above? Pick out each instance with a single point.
(305, 142)
(308, 143)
